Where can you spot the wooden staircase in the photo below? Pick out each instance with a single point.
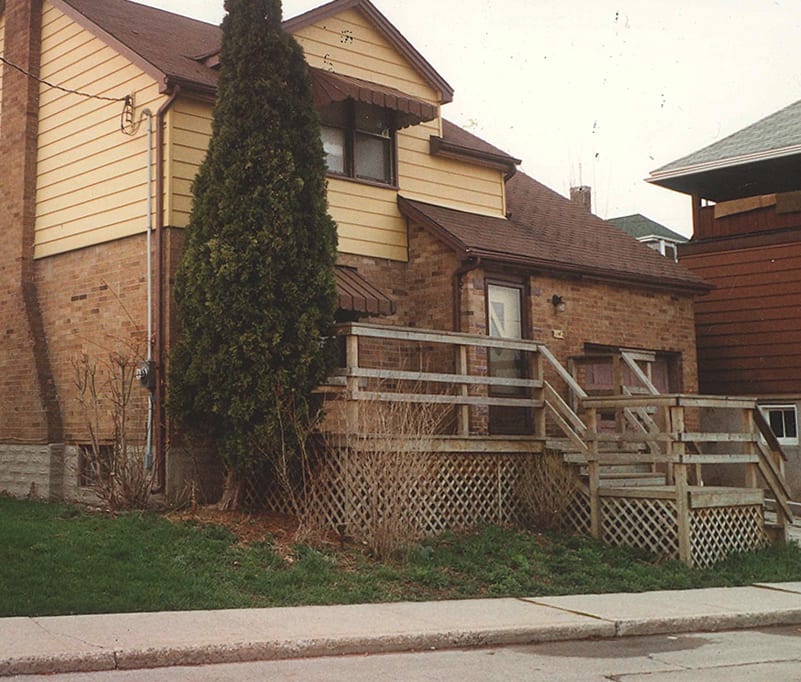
(653, 464)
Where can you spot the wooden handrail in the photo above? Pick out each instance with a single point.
(563, 373)
(378, 331)
(637, 371)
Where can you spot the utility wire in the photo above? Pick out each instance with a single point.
(59, 87)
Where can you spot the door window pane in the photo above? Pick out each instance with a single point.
(504, 312)
(503, 307)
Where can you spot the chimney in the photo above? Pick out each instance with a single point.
(582, 195)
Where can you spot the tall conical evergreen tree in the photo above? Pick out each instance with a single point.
(255, 289)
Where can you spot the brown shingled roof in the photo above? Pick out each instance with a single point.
(163, 44)
(174, 49)
(456, 141)
(547, 231)
(568, 236)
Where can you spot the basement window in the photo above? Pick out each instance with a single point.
(783, 420)
(94, 464)
(359, 141)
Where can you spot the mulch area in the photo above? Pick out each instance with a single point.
(249, 527)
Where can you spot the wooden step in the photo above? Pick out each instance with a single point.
(633, 479)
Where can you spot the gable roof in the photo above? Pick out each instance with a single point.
(177, 50)
(637, 225)
(547, 231)
(395, 37)
(167, 46)
(762, 158)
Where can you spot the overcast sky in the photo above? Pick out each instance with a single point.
(598, 92)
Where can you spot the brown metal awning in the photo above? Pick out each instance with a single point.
(328, 87)
(358, 295)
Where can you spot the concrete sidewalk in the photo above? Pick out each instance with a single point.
(147, 640)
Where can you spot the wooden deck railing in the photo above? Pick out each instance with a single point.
(683, 452)
(467, 385)
(452, 370)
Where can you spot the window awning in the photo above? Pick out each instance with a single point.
(359, 295)
(328, 87)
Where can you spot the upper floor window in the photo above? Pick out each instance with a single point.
(359, 141)
(783, 422)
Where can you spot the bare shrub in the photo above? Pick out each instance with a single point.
(114, 466)
(373, 480)
(546, 490)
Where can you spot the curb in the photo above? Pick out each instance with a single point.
(97, 658)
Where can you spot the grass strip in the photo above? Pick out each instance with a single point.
(58, 559)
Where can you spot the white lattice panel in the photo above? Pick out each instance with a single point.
(649, 524)
(718, 532)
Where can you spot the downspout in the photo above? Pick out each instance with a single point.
(158, 339)
(149, 260)
(472, 264)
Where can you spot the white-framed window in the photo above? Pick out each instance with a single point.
(359, 141)
(783, 420)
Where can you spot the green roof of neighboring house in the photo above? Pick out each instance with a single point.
(763, 158)
(638, 225)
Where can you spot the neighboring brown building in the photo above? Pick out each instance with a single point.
(438, 231)
(746, 193)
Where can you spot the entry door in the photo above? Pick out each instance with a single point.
(504, 307)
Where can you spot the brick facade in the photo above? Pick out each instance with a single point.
(65, 314)
(598, 313)
(31, 413)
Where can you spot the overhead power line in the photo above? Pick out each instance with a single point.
(80, 93)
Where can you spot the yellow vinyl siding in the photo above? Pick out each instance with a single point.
(368, 221)
(91, 179)
(368, 218)
(189, 126)
(368, 56)
(443, 181)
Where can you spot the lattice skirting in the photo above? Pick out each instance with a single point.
(433, 493)
(652, 524)
(429, 493)
(717, 532)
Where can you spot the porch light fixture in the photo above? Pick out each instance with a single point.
(558, 303)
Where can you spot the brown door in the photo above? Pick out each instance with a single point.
(504, 320)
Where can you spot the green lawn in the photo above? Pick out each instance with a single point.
(58, 559)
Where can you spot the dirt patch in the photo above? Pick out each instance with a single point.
(249, 527)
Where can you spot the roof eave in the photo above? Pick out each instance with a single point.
(134, 57)
(204, 90)
(659, 177)
(604, 274)
(441, 147)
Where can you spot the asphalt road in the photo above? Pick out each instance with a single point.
(769, 654)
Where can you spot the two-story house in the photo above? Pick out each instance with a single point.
(746, 195)
(105, 118)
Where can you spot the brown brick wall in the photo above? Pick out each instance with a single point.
(614, 315)
(27, 394)
(93, 303)
(595, 312)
